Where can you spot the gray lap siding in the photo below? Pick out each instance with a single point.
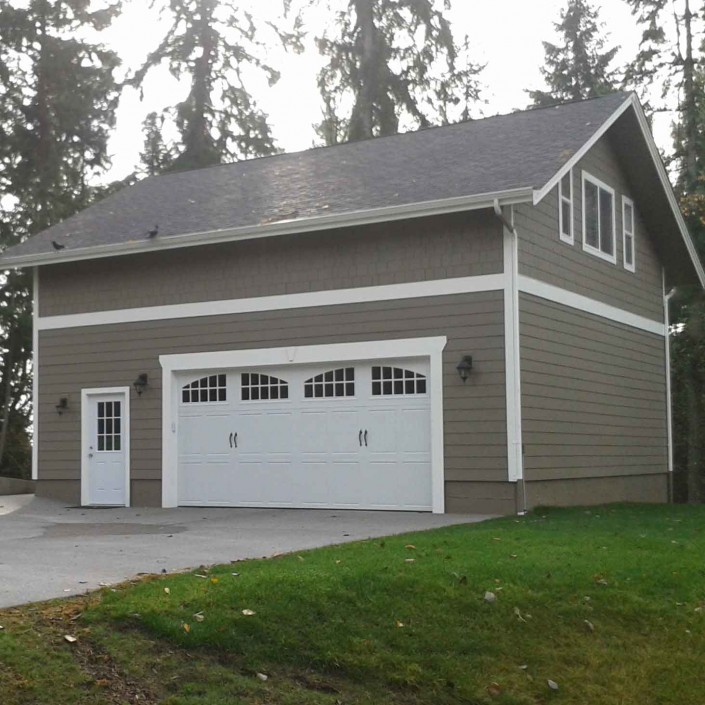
(593, 405)
(113, 355)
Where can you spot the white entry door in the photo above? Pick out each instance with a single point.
(349, 436)
(105, 448)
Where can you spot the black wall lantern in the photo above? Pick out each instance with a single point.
(140, 383)
(62, 406)
(464, 367)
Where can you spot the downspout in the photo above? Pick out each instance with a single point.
(669, 411)
(512, 348)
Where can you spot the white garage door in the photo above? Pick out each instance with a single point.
(353, 436)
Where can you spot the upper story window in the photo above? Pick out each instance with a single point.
(598, 218)
(565, 206)
(628, 232)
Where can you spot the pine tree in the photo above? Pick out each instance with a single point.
(579, 66)
(392, 62)
(58, 97)
(217, 46)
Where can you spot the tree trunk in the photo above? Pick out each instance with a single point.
(690, 105)
(362, 117)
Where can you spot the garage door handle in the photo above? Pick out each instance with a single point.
(365, 438)
(359, 438)
(231, 440)
(235, 439)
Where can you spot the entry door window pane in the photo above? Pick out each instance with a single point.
(109, 426)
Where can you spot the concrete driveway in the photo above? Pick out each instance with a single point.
(48, 550)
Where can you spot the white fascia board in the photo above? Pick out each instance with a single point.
(541, 193)
(279, 302)
(633, 102)
(284, 227)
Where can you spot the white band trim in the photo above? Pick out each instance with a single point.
(280, 302)
(527, 285)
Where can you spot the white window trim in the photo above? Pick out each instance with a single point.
(87, 435)
(629, 267)
(429, 348)
(570, 239)
(587, 177)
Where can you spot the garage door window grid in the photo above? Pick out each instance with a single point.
(109, 426)
(394, 381)
(205, 390)
(258, 387)
(331, 384)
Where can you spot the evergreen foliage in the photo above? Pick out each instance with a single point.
(579, 67)
(392, 63)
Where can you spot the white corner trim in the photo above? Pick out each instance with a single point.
(534, 287)
(285, 227)
(431, 348)
(515, 460)
(669, 401)
(86, 435)
(570, 198)
(626, 201)
(35, 374)
(281, 302)
(540, 194)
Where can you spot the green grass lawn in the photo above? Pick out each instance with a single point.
(608, 603)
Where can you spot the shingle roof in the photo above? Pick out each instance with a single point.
(496, 154)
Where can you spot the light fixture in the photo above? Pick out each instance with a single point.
(62, 406)
(140, 383)
(464, 367)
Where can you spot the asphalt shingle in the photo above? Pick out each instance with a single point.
(520, 150)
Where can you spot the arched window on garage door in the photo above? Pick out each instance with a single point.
(331, 384)
(258, 387)
(205, 390)
(396, 382)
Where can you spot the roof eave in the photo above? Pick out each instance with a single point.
(285, 227)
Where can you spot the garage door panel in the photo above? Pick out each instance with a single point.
(309, 449)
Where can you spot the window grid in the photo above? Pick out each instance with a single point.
(598, 218)
(205, 390)
(331, 384)
(565, 207)
(109, 434)
(394, 381)
(628, 231)
(259, 387)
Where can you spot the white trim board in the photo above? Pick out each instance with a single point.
(285, 227)
(431, 348)
(281, 302)
(527, 285)
(35, 374)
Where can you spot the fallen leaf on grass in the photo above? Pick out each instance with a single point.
(262, 676)
(494, 689)
(198, 575)
(552, 684)
(518, 615)
(187, 628)
(249, 613)
(70, 639)
(409, 560)
(410, 546)
(167, 591)
(490, 597)
(399, 624)
(199, 616)
(214, 581)
(102, 683)
(589, 625)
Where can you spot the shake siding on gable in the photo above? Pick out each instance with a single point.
(543, 256)
(456, 245)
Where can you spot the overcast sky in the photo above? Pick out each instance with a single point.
(505, 34)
